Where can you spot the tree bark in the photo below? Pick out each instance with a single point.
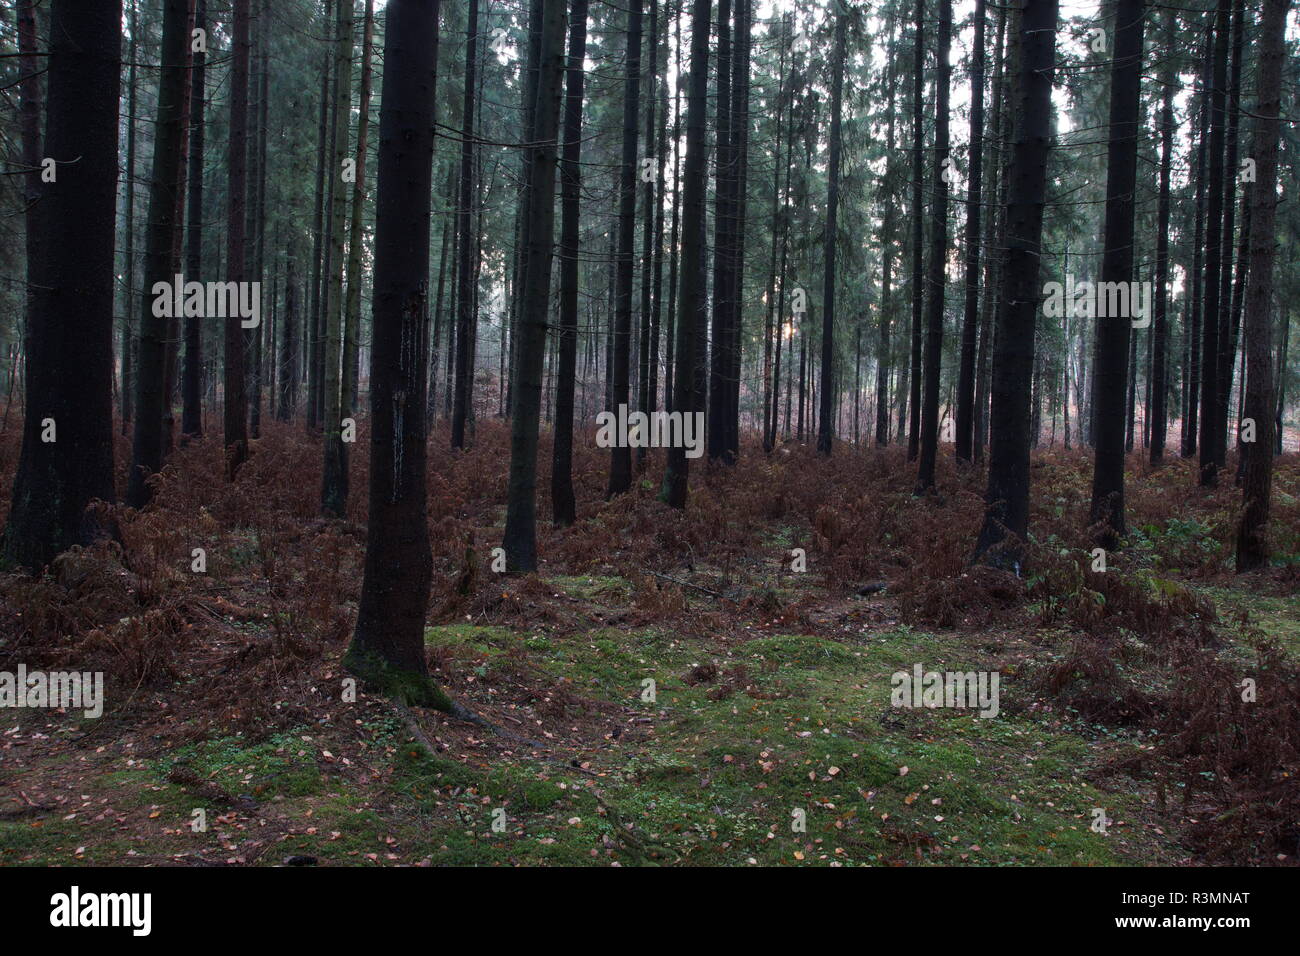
(1160, 324)
(1006, 519)
(563, 501)
(356, 237)
(235, 412)
(388, 643)
(520, 538)
(1114, 332)
(69, 369)
(970, 323)
(1252, 541)
(913, 401)
(1209, 461)
(192, 373)
(465, 316)
(825, 435)
(687, 379)
(620, 462)
(147, 443)
(938, 260)
(334, 476)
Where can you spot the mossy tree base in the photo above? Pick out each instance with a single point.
(408, 686)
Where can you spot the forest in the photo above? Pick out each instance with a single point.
(649, 433)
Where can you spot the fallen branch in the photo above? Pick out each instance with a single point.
(688, 584)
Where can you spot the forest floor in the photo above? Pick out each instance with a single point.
(771, 687)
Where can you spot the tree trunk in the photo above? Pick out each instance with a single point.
(970, 322)
(128, 331)
(645, 360)
(388, 643)
(235, 413)
(465, 316)
(334, 477)
(1227, 343)
(192, 373)
(620, 462)
(520, 538)
(885, 310)
(740, 152)
(69, 368)
(687, 378)
(255, 250)
(1252, 542)
(1209, 462)
(563, 502)
(29, 115)
(312, 324)
(1160, 328)
(918, 231)
(352, 310)
(1114, 332)
(1007, 498)
(825, 431)
(938, 260)
(147, 443)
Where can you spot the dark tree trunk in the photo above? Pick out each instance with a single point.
(1281, 379)
(288, 344)
(352, 305)
(826, 420)
(172, 340)
(723, 220)
(256, 230)
(312, 325)
(687, 379)
(29, 115)
(918, 232)
(657, 279)
(1193, 331)
(128, 331)
(938, 260)
(1110, 373)
(1214, 240)
(192, 373)
(887, 257)
(620, 462)
(645, 360)
(69, 368)
(520, 538)
(1252, 542)
(739, 185)
(1227, 343)
(147, 443)
(1007, 497)
(235, 413)
(563, 503)
(1158, 414)
(334, 475)
(670, 334)
(782, 224)
(465, 316)
(994, 233)
(970, 322)
(388, 644)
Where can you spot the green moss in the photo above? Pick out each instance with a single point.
(382, 678)
(800, 651)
